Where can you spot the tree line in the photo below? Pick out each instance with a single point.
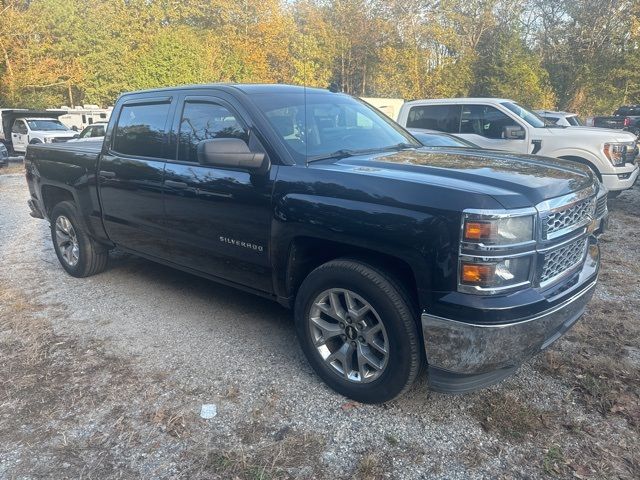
(578, 55)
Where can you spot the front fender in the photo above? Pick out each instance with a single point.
(589, 159)
(421, 240)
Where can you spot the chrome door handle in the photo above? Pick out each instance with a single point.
(106, 174)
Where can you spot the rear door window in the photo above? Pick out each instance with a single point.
(203, 121)
(141, 130)
(444, 118)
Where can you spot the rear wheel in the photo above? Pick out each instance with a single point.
(78, 254)
(358, 331)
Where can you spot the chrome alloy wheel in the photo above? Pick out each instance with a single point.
(67, 241)
(349, 335)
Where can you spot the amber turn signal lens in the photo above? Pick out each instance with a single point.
(478, 230)
(478, 274)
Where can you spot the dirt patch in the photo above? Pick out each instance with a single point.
(12, 168)
(95, 414)
(508, 416)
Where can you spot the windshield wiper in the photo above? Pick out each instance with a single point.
(343, 153)
(401, 146)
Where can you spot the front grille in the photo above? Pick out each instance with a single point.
(60, 139)
(562, 260)
(601, 207)
(630, 154)
(560, 222)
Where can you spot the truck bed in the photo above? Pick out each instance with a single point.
(90, 146)
(613, 122)
(72, 163)
(77, 154)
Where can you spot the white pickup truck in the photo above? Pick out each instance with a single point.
(27, 131)
(502, 124)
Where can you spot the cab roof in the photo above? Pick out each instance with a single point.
(461, 100)
(247, 88)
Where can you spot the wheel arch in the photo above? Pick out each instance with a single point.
(308, 253)
(585, 162)
(52, 195)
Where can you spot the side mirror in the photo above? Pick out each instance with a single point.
(513, 132)
(231, 153)
(77, 135)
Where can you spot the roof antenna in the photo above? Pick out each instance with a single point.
(304, 89)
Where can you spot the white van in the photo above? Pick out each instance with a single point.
(502, 124)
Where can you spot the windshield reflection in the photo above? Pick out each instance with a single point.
(318, 125)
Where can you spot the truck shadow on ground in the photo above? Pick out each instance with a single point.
(240, 310)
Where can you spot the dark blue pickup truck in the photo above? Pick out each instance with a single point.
(393, 256)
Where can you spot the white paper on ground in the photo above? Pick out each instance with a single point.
(208, 410)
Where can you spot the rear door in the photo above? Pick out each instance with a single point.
(218, 219)
(131, 174)
(20, 136)
(442, 118)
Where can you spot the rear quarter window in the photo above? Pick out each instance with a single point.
(444, 118)
(140, 130)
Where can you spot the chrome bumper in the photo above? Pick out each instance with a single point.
(465, 356)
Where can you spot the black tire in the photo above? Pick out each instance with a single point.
(396, 313)
(91, 256)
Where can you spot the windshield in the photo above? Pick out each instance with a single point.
(46, 125)
(333, 125)
(441, 140)
(574, 121)
(528, 116)
(93, 131)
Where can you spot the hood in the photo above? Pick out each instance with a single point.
(515, 181)
(55, 133)
(593, 133)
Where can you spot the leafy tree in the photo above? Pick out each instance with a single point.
(505, 67)
(582, 55)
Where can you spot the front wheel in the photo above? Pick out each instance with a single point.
(78, 253)
(358, 330)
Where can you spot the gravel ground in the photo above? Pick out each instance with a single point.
(104, 377)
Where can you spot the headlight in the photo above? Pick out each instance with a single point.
(48, 139)
(617, 152)
(497, 231)
(492, 274)
(496, 250)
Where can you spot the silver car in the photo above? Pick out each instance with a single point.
(563, 119)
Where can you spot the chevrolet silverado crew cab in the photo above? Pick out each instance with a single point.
(504, 125)
(392, 256)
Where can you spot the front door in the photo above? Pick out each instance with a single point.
(218, 220)
(131, 174)
(20, 136)
(485, 125)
